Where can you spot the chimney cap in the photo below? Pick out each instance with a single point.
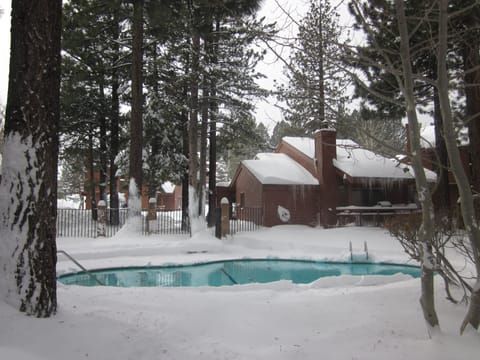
(325, 130)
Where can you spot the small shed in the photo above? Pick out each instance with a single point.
(170, 198)
(284, 190)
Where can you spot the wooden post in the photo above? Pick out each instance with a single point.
(152, 209)
(225, 217)
(102, 218)
(152, 214)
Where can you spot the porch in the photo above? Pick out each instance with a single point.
(373, 215)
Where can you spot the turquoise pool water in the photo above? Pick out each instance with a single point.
(232, 272)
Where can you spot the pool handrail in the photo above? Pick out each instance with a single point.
(80, 266)
(222, 269)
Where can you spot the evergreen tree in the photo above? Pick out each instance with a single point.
(209, 58)
(240, 140)
(380, 94)
(94, 64)
(283, 128)
(315, 88)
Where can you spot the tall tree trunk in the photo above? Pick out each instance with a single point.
(427, 228)
(155, 142)
(203, 152)
(466, 197)
(28, 191)
(114, 128)
(442, 192)
(471, 64)
(212, 165)
(321, 74)
(207, 45)
(91, 170)
(136, 124)
(103, 142)
(185, 177)
(193, 123)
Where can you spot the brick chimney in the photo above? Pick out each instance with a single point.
(325, 152)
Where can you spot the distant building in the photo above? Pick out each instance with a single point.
(309, 181)
(168, 199)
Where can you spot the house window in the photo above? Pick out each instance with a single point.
(242, 200)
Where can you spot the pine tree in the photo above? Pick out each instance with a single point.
(93, 76)
(315, 81)
(377, 88)
(242, 139)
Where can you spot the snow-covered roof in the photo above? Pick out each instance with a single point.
(303, 144)
(359, 162)
(279, 169)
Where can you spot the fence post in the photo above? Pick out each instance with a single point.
(101, 218)
(225, 217)
(151, 214)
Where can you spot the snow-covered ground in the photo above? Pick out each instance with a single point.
(342, 317)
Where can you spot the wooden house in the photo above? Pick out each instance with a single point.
(312, 180)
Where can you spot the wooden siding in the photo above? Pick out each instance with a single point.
(249, 185)
(300, 201)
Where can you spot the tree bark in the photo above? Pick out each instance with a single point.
(29, 168)
(463, 185)
(427, 228)
(136, 124)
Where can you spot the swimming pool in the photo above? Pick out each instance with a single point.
(231, 272)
